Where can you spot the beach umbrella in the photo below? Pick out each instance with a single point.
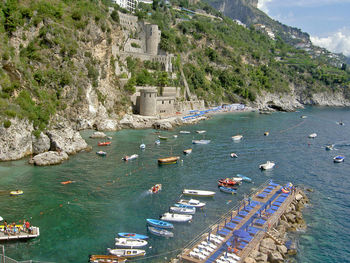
(1, 218)
(209, 236)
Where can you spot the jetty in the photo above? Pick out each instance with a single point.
(234, 236)
(20, 234)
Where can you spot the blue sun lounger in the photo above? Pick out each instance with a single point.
(253, 230)
(248, 208)
(273, 184)
(254, 203)
(260, 222)
(270, 211)
(236, 219)
(230, 225)
(262, 195)
(242, 213)
(274, 207)
(223, 232)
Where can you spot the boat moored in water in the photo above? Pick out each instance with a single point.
(159, 223)
(126, 253)
(266, 133)
(160, 232)
(237, 137)
(329, 147)
(228, 182)
(201, 131)
(132, 235)
(192, 202)
(104, 143)
(267, 166)
(200, 141)
(106, 258)
(338, 159)
(168, 160)
(155, 189)
(157, 142)
(16, 192)
(185, 206)
(187, 151)
(182, 210)
(233, 155)
(131, 157)
(200, 193)
(313, 135)
(163, 138)
(175, 217)
(244, 178)
(101, 153)
(124, 242)
(227, 190)
(184, 132)
(142, 146)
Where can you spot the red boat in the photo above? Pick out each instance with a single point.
(104, 143)
(227, 182)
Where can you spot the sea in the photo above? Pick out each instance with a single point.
(109, 195)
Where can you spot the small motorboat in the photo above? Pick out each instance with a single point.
(175, 135)
(159, 223)
(157, 142)
(132, 235)
(228, 185)
(168, 160)
(155, 189)
(126, 253)
(106, 258)
(187, 151)
(237, 179)
(233, 155)
(131, 157)
(244, 178)
(267, 166)
(104, 143)
(338, 159)
(329, 147)
(184, 132)
(125, 242)
(201, 131)
(313, 135)
(341, 123)
(160, 232)
(200, 193)
(237, 137)
(101, 153)
(227, 190)
(303, 116)
(200, 141)
(266, 133)
(192, 202)
(175, 217)
(142, 146)
(228, 182)
(182, 210)
(67, 182)
(185, 206)
(16, 192)
(163, 138)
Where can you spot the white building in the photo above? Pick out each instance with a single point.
(130, 4)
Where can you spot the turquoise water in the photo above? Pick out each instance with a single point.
(110, 196)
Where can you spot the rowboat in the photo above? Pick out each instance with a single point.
(175, 135)
(175, 217)
(131, 157)
(303, 116)
(187, 151)
(163, 138)
(16, 192)
(266, 133)
(182, 210)
(155, 189)
(244, 178)
(159, 223)
(192, 202)
(227, 190)
(237, 137)
(313, 135)
(200, 193)
(229, 185)
(233, 155)
(126, 253)
(103, 143)
(267, 166)
(338, 159)
(157, 142)
(142, 146)
(185, 206)
(132, 235)
(106, 258)
(329, 147)
(200, 141)
(237, 179)
(101, 153)
(201, 131)
(160, 232)
(130, 242)
(184, 132)
(228, 182)
(168, 160)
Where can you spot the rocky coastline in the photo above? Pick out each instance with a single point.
(272, 248)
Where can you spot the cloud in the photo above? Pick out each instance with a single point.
(338, 42)
(262, 5)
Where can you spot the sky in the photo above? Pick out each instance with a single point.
(326, 21)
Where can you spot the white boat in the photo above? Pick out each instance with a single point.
(267, 166)
(175, 135)
(184, 132)
(126, 253)
(313, 135)
(183, 210)
(157, 142)
(131, 157)
(330, 147)
(201, 131)
(303, 116)
(175, 217)
(237, 179)
(237, 137)
(200, 141)
(142, 146)
(201, 193)
(233, 155)
(187, 151)
(130, 242)
(160, 232)
(338, 159)
(192, 202)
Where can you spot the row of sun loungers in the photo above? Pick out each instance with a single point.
(205, 248)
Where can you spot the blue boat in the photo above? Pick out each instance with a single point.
(338, 159)
(227, 190)
(159, 223)
(244, 178)
(184, 206)
(132, 235)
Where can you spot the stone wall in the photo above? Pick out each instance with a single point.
(128, 22)
(184, 106)
(165, 105)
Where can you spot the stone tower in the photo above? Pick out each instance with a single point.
(148, 101)
(152, 39)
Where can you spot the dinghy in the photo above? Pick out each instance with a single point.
(267, 166)
(124, 242)
(142, 146)
(155, 189)
(157, 142)
(200, 193)
(185, 206)
(200, 141)
(160, 232)
(175, 217)
(131, 157)
(159, 223)
(233, 155)
(168, 160)
(126, 253)
(187, 151)
(227, 190)
(237, 137)
(201, 131)
(192, 202)
(182, 210)
(313, 135)
(338, 159)
(132, 235)
(184, 132)
(101, 153)
(106, 258)
(244, 178)
(103, 143)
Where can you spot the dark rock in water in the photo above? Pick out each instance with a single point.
(275, 257)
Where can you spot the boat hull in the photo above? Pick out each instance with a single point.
(160, 232)
(127, 253)
(227, 190)
(130, 242)
(182, 210)
(132, 235)
(159, 223)
(192, 202)
(199, 193)
(168, 160)
(176, 218)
